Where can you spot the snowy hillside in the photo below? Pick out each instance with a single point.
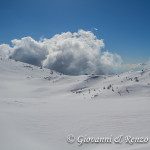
(39, 108)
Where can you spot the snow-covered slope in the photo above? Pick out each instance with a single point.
(39, 108)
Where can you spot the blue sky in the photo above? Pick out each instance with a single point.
(123, 24)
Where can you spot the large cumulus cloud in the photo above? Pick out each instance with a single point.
(29, 51)
(69, 53)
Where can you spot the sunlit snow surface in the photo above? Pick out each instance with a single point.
(39, 108)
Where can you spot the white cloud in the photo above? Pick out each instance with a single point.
(28, 50)
(147, 64)
(4, 50)
(128, 67)
(95, 29)
(70, 53)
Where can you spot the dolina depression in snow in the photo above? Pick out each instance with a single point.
(40, 107)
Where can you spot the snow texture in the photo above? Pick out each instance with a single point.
(39, 108)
